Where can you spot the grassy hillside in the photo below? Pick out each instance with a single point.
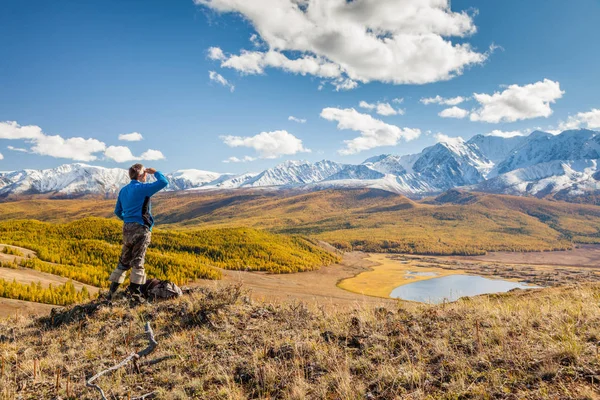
(370, 220)
(215, 345)
(88, 250)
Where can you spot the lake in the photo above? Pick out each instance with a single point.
(452, 287)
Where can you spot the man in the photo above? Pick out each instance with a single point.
(133, 207)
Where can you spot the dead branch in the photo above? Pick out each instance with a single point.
(134, 356)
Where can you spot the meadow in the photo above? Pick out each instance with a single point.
(219, 344)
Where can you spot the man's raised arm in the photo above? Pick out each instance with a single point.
(154, 187)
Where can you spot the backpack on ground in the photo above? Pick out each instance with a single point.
(155, 289)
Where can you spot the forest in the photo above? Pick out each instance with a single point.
(88, 250)
(62, 295)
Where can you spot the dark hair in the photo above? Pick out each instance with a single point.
(135, 171)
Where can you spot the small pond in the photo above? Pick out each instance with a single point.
(452, 287)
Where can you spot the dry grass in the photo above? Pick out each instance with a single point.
(522, 345)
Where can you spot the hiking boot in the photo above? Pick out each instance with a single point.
(114, 286)
(135, 293)
(137, 299)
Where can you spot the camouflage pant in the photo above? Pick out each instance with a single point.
(136, 239)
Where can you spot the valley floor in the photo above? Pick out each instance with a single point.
(584, 255)
(317, 287)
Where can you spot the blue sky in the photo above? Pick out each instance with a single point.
(99, 69)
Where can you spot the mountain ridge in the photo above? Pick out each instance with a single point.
(540, 165)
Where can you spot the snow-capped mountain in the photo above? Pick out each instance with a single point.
(496, 148)
(540, 164)
(291, 173)
(541, 147)
(69, 179)
(452, 163)
(191, 178)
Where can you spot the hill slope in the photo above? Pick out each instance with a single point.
(88, 250)
(362, 219)
(213, 345)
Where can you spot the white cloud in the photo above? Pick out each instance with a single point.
(76, 148)
(507, 134)
(453, 112)
(298, 120)
(21, 150)
(122, 154)
(119, 154)
(398, 100)
(392, 41)
(1, 156)
(215, 77)
(453, 101)
(268, 144)
(131, 137)
(215, 53)
(239, 160)
(441, 138)
(381, 108)
(374, 132)
(152, 155)
(588, 120)
(12, 130)
(518, 102)
(255, 40)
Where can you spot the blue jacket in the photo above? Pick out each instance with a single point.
(133, 204)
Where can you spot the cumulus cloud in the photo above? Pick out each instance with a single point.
(152, 155)
(507, 134)
(453, 101)
(441, 138)
(76, 148)
(215, 53)
(122, 154)
(268, 144)
(588, 120)
(131, 137)
(381, 108)
(239, 160)
(392, 41)
(215, 77)
(517, 102)
(454, 112)
(1, 156)
(12, 130)
(374, 132)
(398, 100)
(19, 149)
(298, 120)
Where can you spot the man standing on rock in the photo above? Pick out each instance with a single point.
(133, 208)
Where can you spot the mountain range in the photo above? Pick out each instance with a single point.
(540, 164)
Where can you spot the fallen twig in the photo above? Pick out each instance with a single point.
(134, 356)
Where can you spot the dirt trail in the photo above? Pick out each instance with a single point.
(28, 276)
(316, 287)
(10, 308)
(10, 258)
